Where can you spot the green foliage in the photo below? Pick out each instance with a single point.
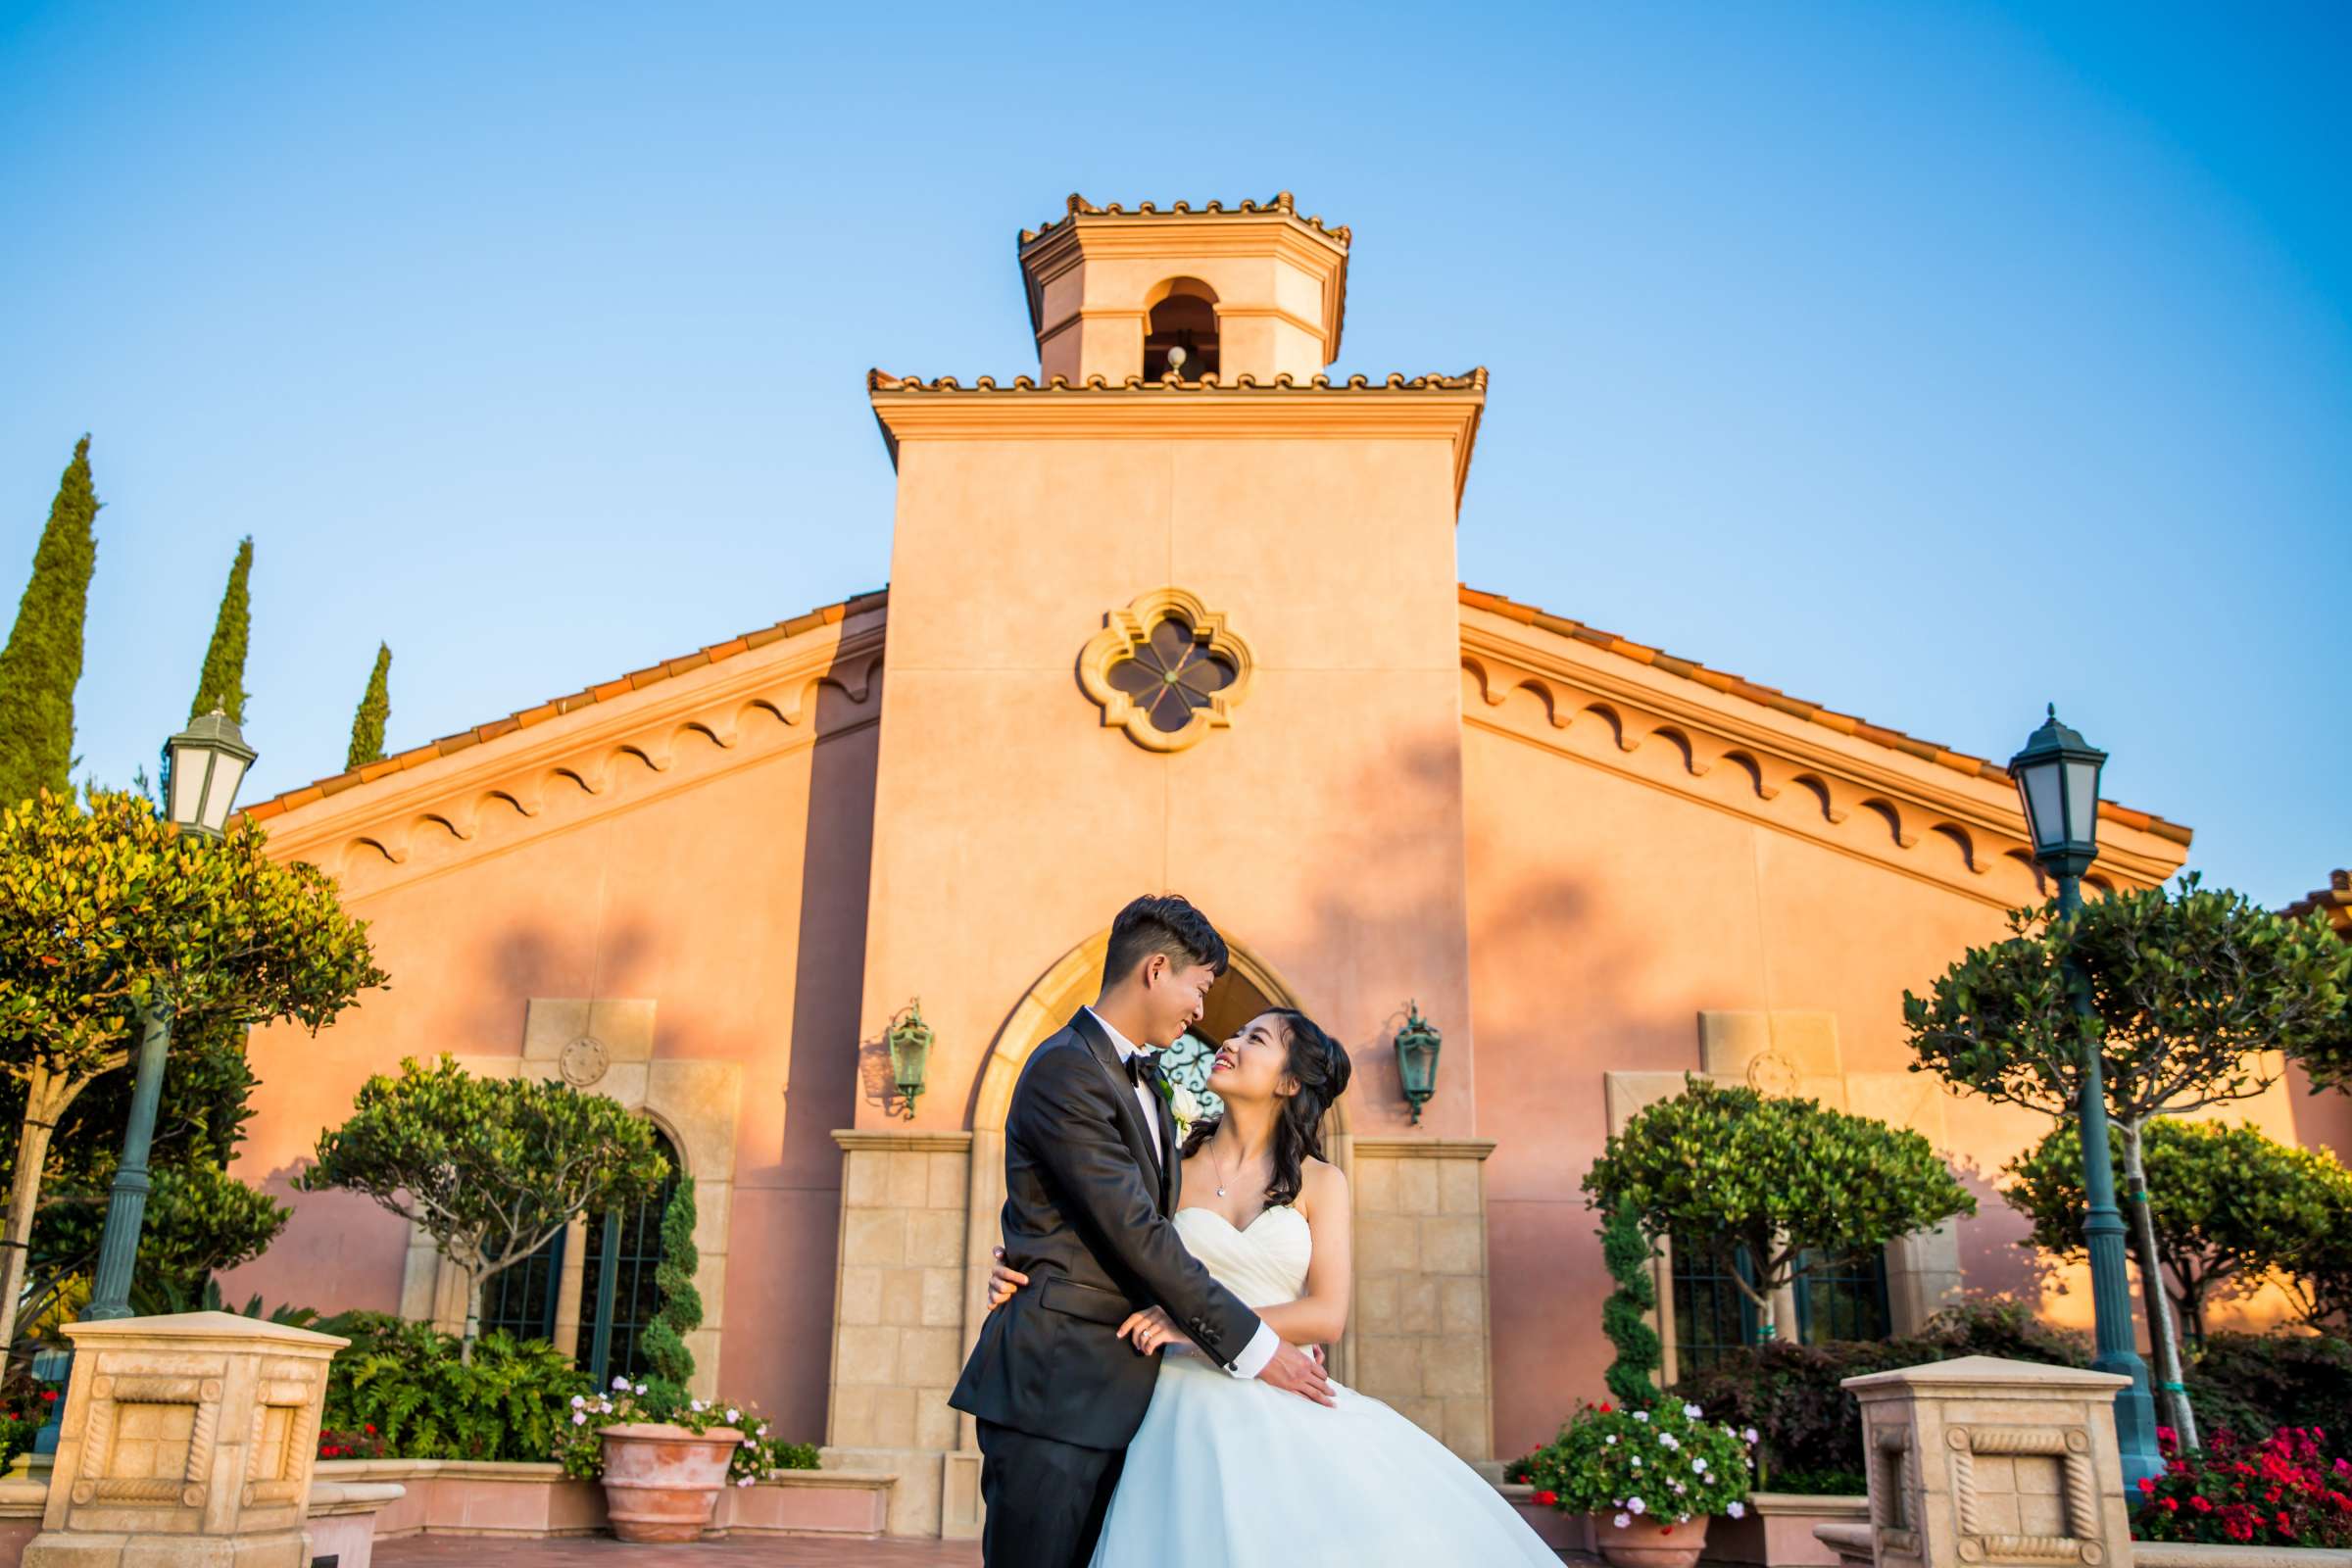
(681, 1310)
(2253, 1383)
(1810, 1429)
(1625, 1315)
(491, 1168)
(199, 1219)
(2230, 1205)
(221, 683)
(1667, 1463)
(42, 662)
(105, 909)
(1784, 1176)
(406, 1384)
(375, 709)
(2190, 988)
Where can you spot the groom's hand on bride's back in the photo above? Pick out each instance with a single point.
(1298, 1372)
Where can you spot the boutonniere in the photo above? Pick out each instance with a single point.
(1182, 1104)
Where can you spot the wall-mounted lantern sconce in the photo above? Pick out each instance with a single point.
(1418, 1046)
(910, 1054)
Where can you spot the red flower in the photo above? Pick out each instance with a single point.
(1667, 1530)
(1546, 1499)
(2239, 1530)
(2147, 1486)
(49, 1396)
(2171, 1506)
(1604, 1409)
(370, 1430)
(2201, 1504)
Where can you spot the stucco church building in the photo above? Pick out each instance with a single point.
(1179, 612)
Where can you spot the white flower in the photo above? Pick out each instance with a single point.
(1680, 1488)
(762, 1429)
(1692, 1411)
(579, 1418)
(1698, 1466)
(1184, 1105)
(1623, 1521)
(695, 1406)
(1667, 1440)
(1636, 1505)
(1749, 1436)
(1610, 1438)
(577, 1400)
(1641, 1415)
(743, 1481)
(751, 1442)
(733, 1415)
(1737, 1510)
(1637, 1461)
(622, 1384)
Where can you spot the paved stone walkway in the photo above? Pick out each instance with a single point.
(747, 1551)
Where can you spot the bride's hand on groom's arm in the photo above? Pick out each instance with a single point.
(1003, 1281)
(1299, 1372)
(1152, 1330)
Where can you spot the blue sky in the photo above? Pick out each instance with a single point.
(1931, 361)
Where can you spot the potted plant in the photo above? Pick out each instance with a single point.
(662, 1454)
(1651, 1479)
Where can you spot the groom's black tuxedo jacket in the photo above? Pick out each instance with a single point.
(1086, 1217)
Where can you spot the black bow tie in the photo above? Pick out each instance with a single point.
(1142, 1067)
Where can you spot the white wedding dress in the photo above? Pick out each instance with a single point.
(1234, 1473)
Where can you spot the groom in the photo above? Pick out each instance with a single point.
(1090, 1182)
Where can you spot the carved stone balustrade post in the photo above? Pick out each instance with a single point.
(187, 1443)
(1985, 1461)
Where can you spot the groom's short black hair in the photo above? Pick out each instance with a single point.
(1161, 923)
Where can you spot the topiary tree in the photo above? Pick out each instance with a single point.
(2231, 1207)
(490, 1168)
(1781, 1176)
(221, 684)
(42, 662)
(375, 709)
(2196, 993)
(108, 912)
(680, 1313)
(1625, 1315)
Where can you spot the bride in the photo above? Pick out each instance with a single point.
(1234, 1473)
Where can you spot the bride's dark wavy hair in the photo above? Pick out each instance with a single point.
(1320, 1068)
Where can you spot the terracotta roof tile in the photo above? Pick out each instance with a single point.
(1283, 204)
(1813, 713)
(524, 718)
(1474, 380)
(2334, 901)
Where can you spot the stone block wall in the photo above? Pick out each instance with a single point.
(899, 1314)
(1419, 1331)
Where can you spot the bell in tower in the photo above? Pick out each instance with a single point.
(1254, 290)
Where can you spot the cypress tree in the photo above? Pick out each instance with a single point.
(368, 724)
(1625, 1315)
(667, 1360)
(42, 663)
(223, 683)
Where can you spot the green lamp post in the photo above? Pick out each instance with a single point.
(910, 1054)
(1418, 1046)
(203, 766)
(2058, 780)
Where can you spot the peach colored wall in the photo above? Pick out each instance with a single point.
(1605, 913)
(738, 907)
(1323, 827)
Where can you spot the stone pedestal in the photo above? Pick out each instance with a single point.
(187, 1443)
(1987, 1462)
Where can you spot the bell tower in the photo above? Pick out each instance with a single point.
(1254, 290)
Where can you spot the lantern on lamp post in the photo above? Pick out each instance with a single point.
(203, 766)
(910, 1054)
(2058, 784)
(1417, 1045)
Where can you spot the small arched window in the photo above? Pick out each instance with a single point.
(1184, 316)
(617, 1297)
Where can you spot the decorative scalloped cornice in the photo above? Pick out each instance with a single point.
(1283, 205)
(587, 764)
(1849, 796)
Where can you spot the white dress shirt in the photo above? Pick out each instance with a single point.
(1265, 1342)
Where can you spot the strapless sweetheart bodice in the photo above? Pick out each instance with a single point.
(1265, 1264)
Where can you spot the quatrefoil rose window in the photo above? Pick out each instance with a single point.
(1166, 670)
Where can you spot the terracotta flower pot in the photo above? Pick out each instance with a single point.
(663, 1481)
(1649, 1543)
